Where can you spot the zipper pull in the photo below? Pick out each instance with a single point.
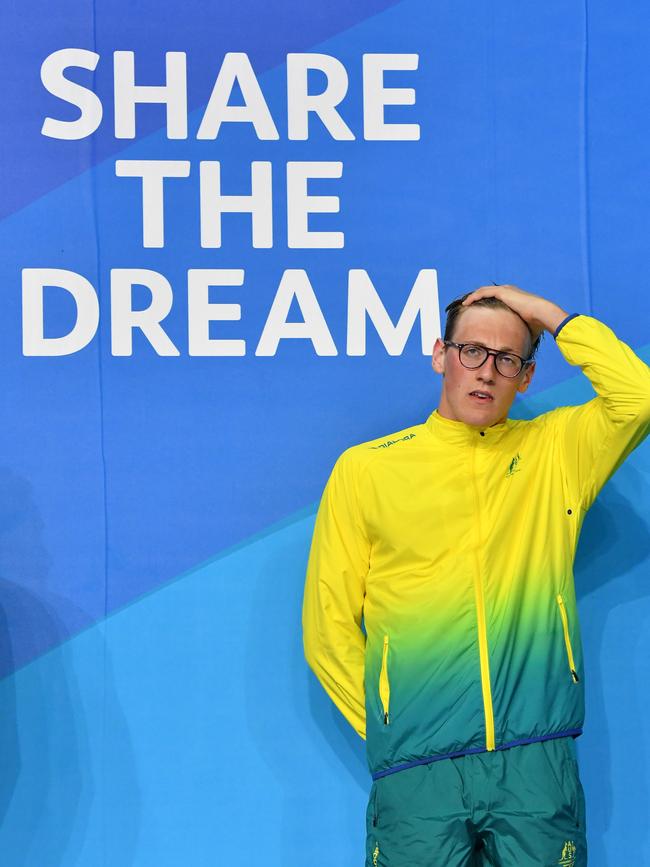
(574, 676)
(385, 719)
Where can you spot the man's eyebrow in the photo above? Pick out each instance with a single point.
(503, 348)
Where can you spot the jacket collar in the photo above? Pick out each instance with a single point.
(459, 432)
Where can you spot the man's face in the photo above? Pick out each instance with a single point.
(496, 329)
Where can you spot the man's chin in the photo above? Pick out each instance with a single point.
(480, 416)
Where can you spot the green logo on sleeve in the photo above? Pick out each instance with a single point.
(392, 442)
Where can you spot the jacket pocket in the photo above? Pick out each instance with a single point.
(567, 638)
(384, 682)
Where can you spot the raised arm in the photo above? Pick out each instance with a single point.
(334, 592)
(595, 437)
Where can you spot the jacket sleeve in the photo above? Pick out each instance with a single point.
(596, 437)
(334, 593)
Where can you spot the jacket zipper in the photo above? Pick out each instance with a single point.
(384, 683)
(567, 639)
(486, 688)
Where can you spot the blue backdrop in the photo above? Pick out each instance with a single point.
(156, 511)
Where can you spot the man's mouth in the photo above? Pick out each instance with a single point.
(483, 396)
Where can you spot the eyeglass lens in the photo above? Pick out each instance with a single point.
(474, 356)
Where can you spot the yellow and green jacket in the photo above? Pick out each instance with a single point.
(439, 610)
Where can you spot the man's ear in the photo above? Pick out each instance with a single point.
(438, 358)
(526, 378)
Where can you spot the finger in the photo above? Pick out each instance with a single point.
(483, 292)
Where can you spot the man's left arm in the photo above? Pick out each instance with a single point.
(597, 436)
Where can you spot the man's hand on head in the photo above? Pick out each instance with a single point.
(538, 313)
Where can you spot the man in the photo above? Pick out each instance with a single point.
(440, 610)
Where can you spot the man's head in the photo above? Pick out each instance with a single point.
(490, 323)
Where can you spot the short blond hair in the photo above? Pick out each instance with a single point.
(454, 309)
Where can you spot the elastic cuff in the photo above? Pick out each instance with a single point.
(563, 323)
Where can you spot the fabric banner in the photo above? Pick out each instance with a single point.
(229, 233)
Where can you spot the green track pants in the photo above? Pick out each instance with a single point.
(518, 807)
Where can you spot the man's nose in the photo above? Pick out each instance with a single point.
(488, 370)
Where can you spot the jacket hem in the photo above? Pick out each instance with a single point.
(518, 743)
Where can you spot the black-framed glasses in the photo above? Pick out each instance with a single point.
(473, 356)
